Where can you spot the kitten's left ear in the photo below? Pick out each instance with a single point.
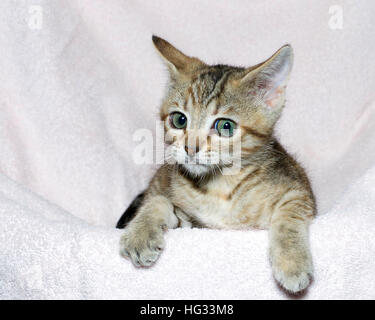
(268, 79)
(178, 63)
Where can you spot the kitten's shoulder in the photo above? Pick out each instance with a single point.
(281, 165)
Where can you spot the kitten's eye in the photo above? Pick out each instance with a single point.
(178, 120)
(224, 127)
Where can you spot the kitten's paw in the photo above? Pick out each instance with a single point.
(293, 283)
(293, 276)
(142, 246)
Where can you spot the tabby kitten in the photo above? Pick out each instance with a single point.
(204, 107)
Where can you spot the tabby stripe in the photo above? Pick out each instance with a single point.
(220, 83)
(297, 205)
(237, 187)
(195, 85)
(190, 92)
(194, 182)
(279, 199)
(254, 132)
(229, 110)
(250, 150)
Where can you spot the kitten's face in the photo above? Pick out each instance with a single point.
(205, 124)
(217, 116)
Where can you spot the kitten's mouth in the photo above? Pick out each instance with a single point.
(196, 160)
(196, 168)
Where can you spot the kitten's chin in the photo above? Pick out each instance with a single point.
(196, 169)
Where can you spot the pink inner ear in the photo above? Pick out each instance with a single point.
(273, 99)
(262, 85)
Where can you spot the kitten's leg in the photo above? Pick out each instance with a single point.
(143, 238)
(289, 246)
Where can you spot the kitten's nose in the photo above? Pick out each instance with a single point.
(191, 151)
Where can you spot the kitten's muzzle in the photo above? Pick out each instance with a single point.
(191, 151)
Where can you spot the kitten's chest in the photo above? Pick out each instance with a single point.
(218, 206)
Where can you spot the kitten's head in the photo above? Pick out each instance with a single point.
(209, 112)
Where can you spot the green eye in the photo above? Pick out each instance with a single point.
(178, 120)
(224, 127)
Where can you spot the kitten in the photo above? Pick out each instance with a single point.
(207, 106)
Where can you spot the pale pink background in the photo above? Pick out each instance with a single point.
(73, 93)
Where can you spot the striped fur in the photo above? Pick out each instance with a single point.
(269, 191)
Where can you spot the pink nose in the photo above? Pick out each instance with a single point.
(191, 151)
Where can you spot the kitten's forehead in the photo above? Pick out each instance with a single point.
(210, 83)
(206, 92)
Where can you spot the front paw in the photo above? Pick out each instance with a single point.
(294, 274)
(142, 245)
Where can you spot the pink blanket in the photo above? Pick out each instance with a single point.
(79, 77)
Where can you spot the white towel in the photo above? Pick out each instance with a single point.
(78, 78)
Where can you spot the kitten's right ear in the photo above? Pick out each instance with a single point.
(268, 79)
(176, 61)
